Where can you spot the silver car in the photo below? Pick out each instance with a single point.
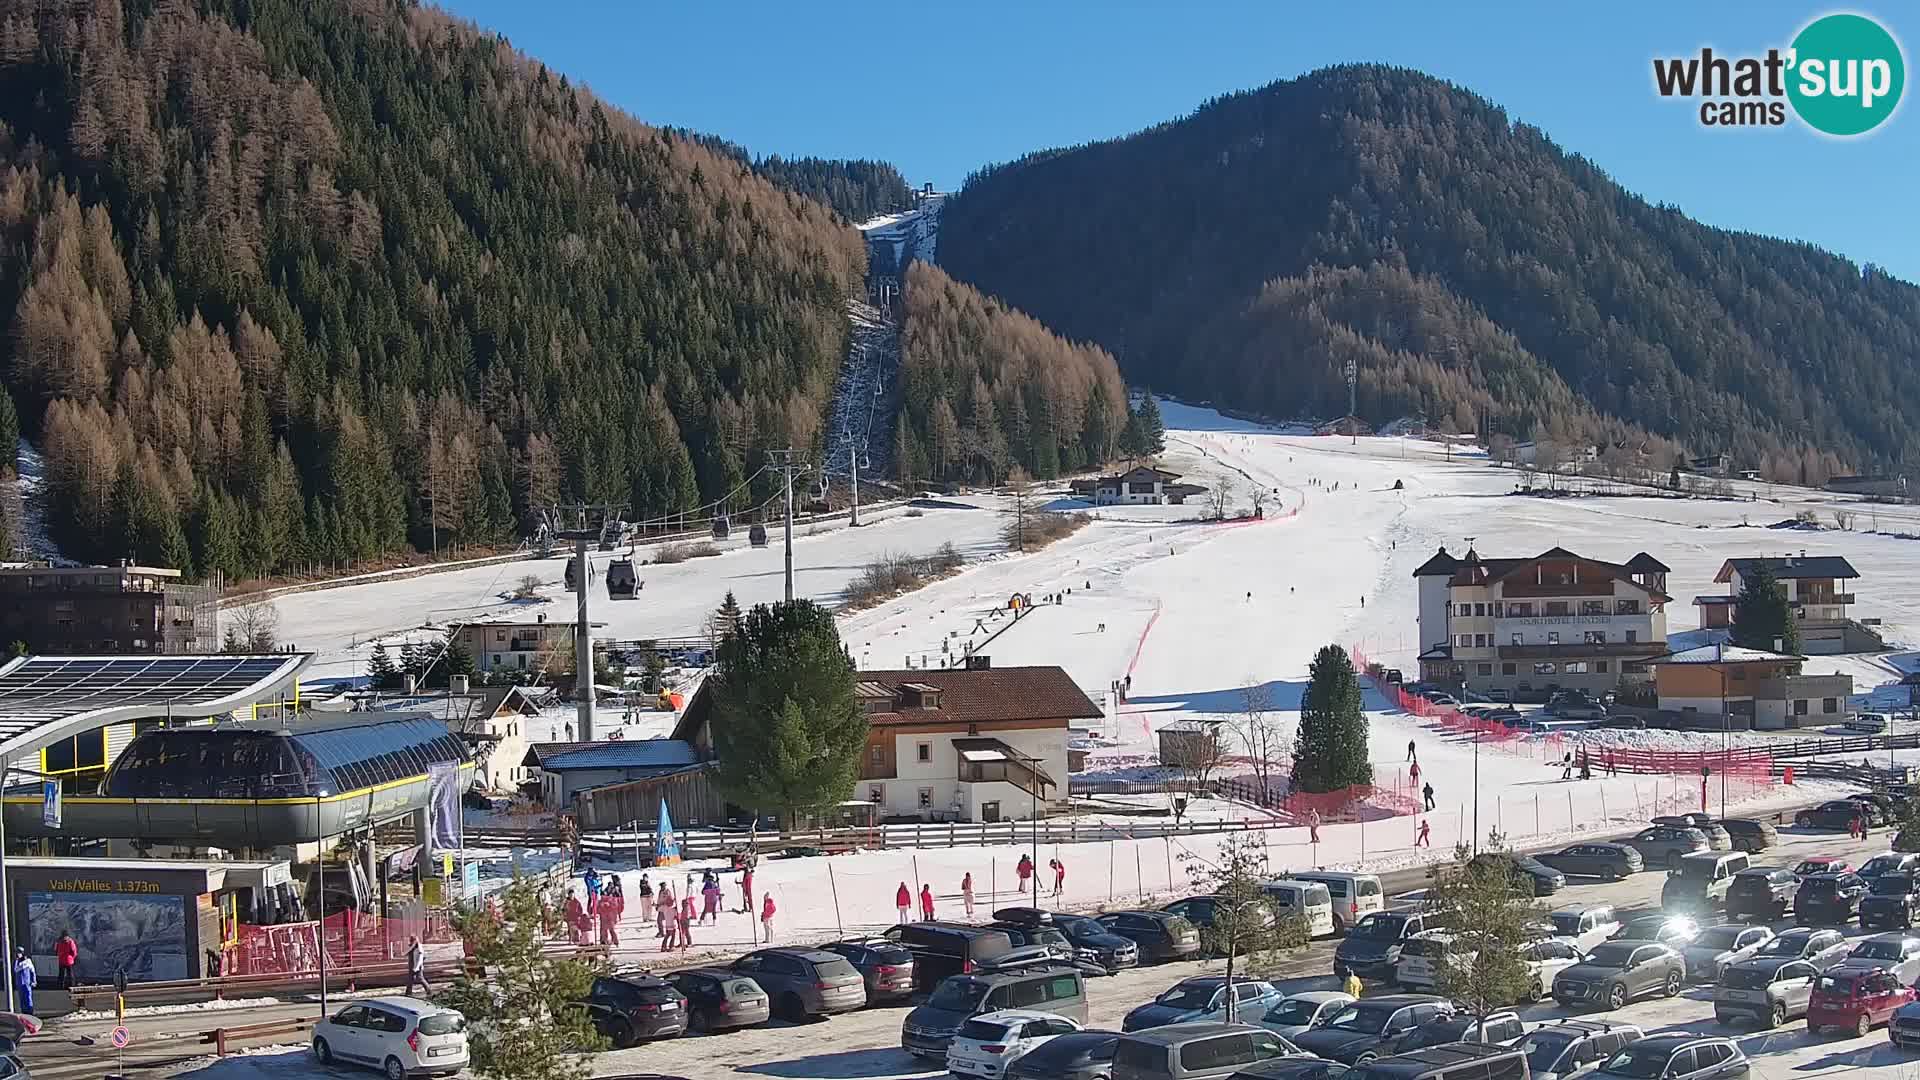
(1305, 1010)
(1718, 946)
(1663, 845)
(1897, 952)
(1768, 992)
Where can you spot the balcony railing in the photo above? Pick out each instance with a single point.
(1799, 686)
(1844, 598)
(1579, 649)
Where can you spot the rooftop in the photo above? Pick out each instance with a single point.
(1041, 693)
(611, 754)
(1790, 566)
(1724, 654)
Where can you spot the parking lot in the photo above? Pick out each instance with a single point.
(865, 1044)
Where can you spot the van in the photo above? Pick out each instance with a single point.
(942, 949)
(1307, 900)
(1448, 1061)
(1197, 1051)
(1420, 959)
(1585, 926)
(1702, 879)
(1355, 896)
(929, 1028)
(1868, 723)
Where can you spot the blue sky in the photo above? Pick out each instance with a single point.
(940, 89)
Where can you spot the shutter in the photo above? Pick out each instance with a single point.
(118, 736)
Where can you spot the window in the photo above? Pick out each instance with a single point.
(1520, 611)
(1479, 609)
(877, 794)
(1509, 669)
(1828, 705)
(877, 755)
(1626, 607)
(1553, 637)
(499, 635)
(926, 798)
(1518, 639)
(1463, 641)
(1574, 667)
(1481, 641)
(1633, 636)
(924, 751)
(1487, 669)
(1558, 607)
(1600, 667)
(1708, 1055)
(1595, 637)
(1219, 1052)
(1593, 607)
(1545, 669)
(1799, 706)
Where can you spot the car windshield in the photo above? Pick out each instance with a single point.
(1880, 864)
(1816, 887)
(1362, 1019)
(1812, 866)
(1610, 956)
(1877, 950)
(1788, 944)
(1891, 885)
(1640, 1062)
(1081, 926)
(1841, 986)
(1383, 926)
(1452, 1029)
(1295, 1011)
(1568, 925)
(1544, 1049)
(957, 995)
(1720, 937)
(1189, 996)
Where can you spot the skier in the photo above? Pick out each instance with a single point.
(592, 881)
(1586, 765)
(746, 891)
(1426, 790)
(1059, 874)
(686, 922)
(576, 917)
(609, 920)
(25, 978)
(646, 898)
(1024, 870)
(926, 903)
(1426, 832)
(417, 967)
(1363, 601)
(903, 900)
(966, 892)
(710, 901)
(766, 915)
(1566, 766)
(1411, 753)
(1413, 773)
(1313, 826)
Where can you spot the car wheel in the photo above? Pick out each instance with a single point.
(1779, 1015)
(696, 1021)
(1673, 860)
(622, 1036)
(1364, 1060)
(1862, 1026)
(1673, 984)
(1609, 873)
(394, 1070)
(1617, 996)
(1339, 927)
(1535, 991)
(322, 1053)
(1803, 821)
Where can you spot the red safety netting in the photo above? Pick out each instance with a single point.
(352, 939)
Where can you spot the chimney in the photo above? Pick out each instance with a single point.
(457, 685)
(542, 617)
(979, 662)
(410, 684)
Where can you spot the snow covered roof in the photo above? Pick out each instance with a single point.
(610, 754)
(1791, 566)
(1723, 654)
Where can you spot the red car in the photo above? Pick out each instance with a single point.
(1822, 864)
(1856, 1000)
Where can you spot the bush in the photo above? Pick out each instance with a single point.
(891, 575)
(914, 511)
(1040, 528)
(682, 551)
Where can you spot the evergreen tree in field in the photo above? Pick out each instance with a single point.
(380, 670)
(1330, 750)
(1762, 618)
(1490, 914)
(1245, 930)
(725, 620)
(9, 433)
(1153, 433)
(520, 995)
(786, 728)
(413, 661)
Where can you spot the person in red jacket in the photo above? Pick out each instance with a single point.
(66, 953)
(903, 900)
(926, 903)
(766, 915)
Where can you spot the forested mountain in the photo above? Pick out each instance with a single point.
(985, 388)
(1474, 271)
(855, 189)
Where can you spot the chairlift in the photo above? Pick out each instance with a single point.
(820, 490)
(622, 582)
(866, 460)
(757, 535)
(721, 527)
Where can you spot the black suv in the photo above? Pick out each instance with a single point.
(1763, 891)
(1092, 940)
(1891, 862)
(941, 949)
(628, 1008)
(1369, 1028)
(1372, 948)
(1835, 815)
(1828, 899)
(1749, 835)
(1891, 902)
(1161, 935)
(1560, 1047)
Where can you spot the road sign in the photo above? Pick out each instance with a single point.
(121, 1037)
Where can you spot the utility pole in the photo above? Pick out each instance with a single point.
(788, 465)
(583, 688)
(853, 466)
(1353, 423)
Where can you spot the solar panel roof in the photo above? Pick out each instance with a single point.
(47, 691)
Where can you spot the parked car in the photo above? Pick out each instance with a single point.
(1294, 1068)
(1305, 1010)
(1618, 972)
(1546, 958)
(1161, 935)
(1608, 862)
(1528, 874)
(1675, 931)
(1081, 1055)
(1750, 835)
(1828, 899)
(987, 1045)
(1202, 911)
(886, 965)
(929, 1028)
(1052, 943)
(1204, 997)
(1678, 1057)
(1897, 952)
(1717, 946)
(1501, 1028)
(1355, 896)
(1718, 838)
(1764, 989)
(1309, 901)
(1891, 901)
(1448, 1061)
(1093, 940)
(1420, 959)
(1832, 816)
(1197, 1051)
(1822, 864)
(718, 999)
(626, 1009)
(1762, 892)
(1820, 947)
(1856, 1000)
(1868, 723)
(804, 982)
(1574, 705)
(1701, 880)
(1371, 949)
(1359, 1032)
(400, 1036)
(1903, 1031)
(1891, 862)
(1665, 845)
(941, 949)
(1560, 1048)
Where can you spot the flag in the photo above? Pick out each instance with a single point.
(666, 846)
(444, 825)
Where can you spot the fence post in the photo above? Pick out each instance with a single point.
(1139, 879)
(834, 884)
(1168, 843)
(1570, 819)
(219, 1042)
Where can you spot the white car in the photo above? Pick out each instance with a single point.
(1719, 947)
(400, 1036)
(1545, 959)
(988, 1043)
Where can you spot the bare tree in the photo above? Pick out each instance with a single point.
(1258, 496)
(527, 588)
(1020, 488)
(1261, 734)
(1220, 498)
(1546, 458)
(252, 628)
(1193, 751)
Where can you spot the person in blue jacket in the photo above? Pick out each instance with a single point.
(25, 978)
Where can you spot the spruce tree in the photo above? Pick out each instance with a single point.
(1763, 619)
(380, 670)
(1153, 432)
(1330, 751)
(9, 433)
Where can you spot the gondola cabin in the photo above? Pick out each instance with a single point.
(757, 535)
(622, 582)
(573, 576)
(722, 528)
